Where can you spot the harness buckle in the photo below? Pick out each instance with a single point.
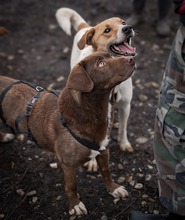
(39, 89)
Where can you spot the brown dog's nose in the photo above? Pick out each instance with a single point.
(127, 29)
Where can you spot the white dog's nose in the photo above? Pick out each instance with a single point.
(127, 29)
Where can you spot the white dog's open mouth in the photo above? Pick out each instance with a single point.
(123, 48)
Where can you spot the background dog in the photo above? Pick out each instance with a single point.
(114, 36)
(80, 114)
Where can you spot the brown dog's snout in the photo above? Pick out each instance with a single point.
(127, 29)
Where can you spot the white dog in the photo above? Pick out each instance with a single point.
(112, 35)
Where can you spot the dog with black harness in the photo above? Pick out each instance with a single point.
(74, 124)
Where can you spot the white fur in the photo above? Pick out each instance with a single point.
(78, 210)
(120, 192)
(94, 153)
(77, 54)
(8, 137)
(66, 17)
(92, 165)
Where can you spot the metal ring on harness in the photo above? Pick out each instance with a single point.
(39, 89)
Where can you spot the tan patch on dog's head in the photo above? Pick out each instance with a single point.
(109, 32)
(103, 33)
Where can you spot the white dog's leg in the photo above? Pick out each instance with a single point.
(123, 114)
(123, 99)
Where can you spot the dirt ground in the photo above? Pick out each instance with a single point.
(37, 50)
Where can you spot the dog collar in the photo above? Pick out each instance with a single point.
(89, 144)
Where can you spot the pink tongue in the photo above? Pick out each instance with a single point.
(127, 49)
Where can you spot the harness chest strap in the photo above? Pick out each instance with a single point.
(89, 144)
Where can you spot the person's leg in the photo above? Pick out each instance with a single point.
(169, 138)
(163, 28)
(135, 18)
(169, 135)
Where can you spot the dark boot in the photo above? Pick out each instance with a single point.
(136, 215)
(172, 216)
(163, 28)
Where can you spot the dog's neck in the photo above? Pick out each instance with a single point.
(85, 113)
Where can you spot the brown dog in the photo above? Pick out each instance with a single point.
(73, 125)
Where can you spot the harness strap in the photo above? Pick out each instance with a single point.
(28, 109)
(89, 144)
(28, 112)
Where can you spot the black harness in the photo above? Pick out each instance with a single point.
(89, 144)
(28, 109)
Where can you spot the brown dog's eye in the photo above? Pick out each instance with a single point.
(123, 22)
(107, 30)
(101, 64)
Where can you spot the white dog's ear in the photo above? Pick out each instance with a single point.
(79, 79)
(86, 39)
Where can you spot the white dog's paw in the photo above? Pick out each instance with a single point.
(126, 147)
(119, 193)
(91, 165)
(78, 210)
(20, 137)
(8, 137)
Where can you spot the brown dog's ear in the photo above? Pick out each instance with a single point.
(79, 80)
(86, 39)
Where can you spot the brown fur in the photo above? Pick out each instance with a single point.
(85, 111)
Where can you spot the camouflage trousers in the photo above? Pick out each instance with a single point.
(169, 138)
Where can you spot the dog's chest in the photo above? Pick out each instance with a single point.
(104, 143)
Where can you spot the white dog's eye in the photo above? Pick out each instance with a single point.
(101, 64)
(123, 22)
(107, 30)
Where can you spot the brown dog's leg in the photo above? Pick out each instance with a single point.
(114, 189)
(76, 207)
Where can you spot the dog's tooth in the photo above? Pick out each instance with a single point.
(116, 48)
(129, 41)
